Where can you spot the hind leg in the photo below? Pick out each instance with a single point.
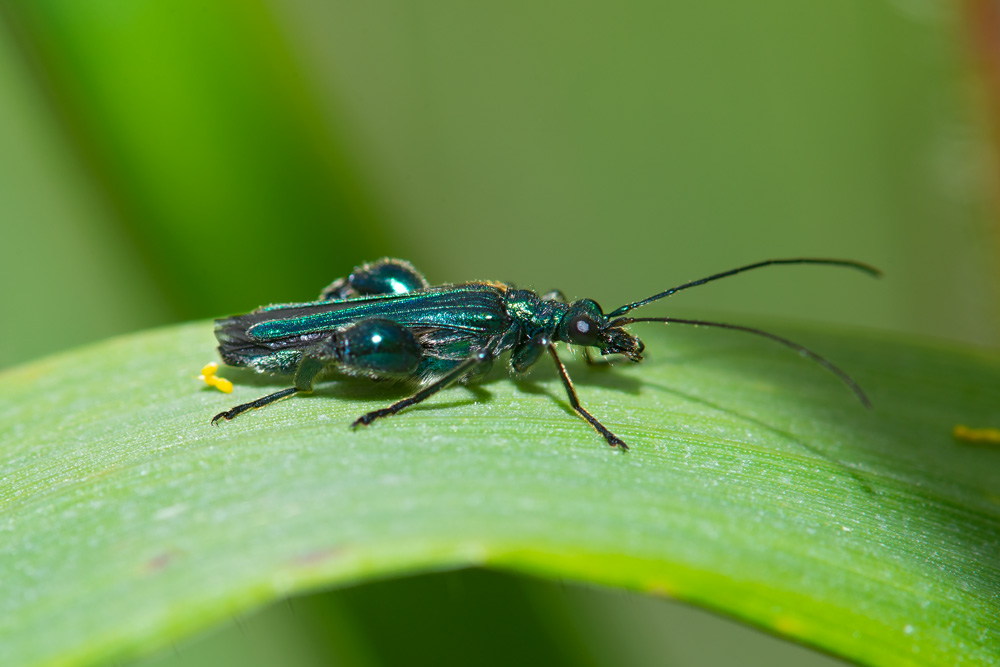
(375, 348)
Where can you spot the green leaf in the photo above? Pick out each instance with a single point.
(756, 486)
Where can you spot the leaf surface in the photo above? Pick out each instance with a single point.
(756, 486)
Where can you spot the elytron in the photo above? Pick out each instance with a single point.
(386, 322)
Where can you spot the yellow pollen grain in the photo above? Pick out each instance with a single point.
(209, 377)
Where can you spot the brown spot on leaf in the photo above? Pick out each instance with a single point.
(317, 556)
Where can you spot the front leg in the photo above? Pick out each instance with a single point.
(525, 355)
(612, 439)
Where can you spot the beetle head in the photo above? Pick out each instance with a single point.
(586, 324)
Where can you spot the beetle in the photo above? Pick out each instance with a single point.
(386, 322)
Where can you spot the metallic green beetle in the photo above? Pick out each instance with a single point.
(385, 321)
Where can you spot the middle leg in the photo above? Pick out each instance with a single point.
(470, 366)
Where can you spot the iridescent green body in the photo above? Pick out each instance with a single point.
(449, 321)
(385, 321)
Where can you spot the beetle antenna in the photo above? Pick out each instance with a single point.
(830, 366)
(861, 266)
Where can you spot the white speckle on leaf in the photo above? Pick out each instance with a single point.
(170, 512)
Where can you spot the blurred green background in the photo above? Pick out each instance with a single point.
(166, 161)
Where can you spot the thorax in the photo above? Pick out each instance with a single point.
(532, 314)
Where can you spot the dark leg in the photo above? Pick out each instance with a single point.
(612, 439)
(376, 348)
(309, 367)
(468, 366)
(253, 405)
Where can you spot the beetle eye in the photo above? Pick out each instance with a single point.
(583, 331)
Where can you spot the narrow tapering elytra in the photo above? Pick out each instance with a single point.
(386, 322)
